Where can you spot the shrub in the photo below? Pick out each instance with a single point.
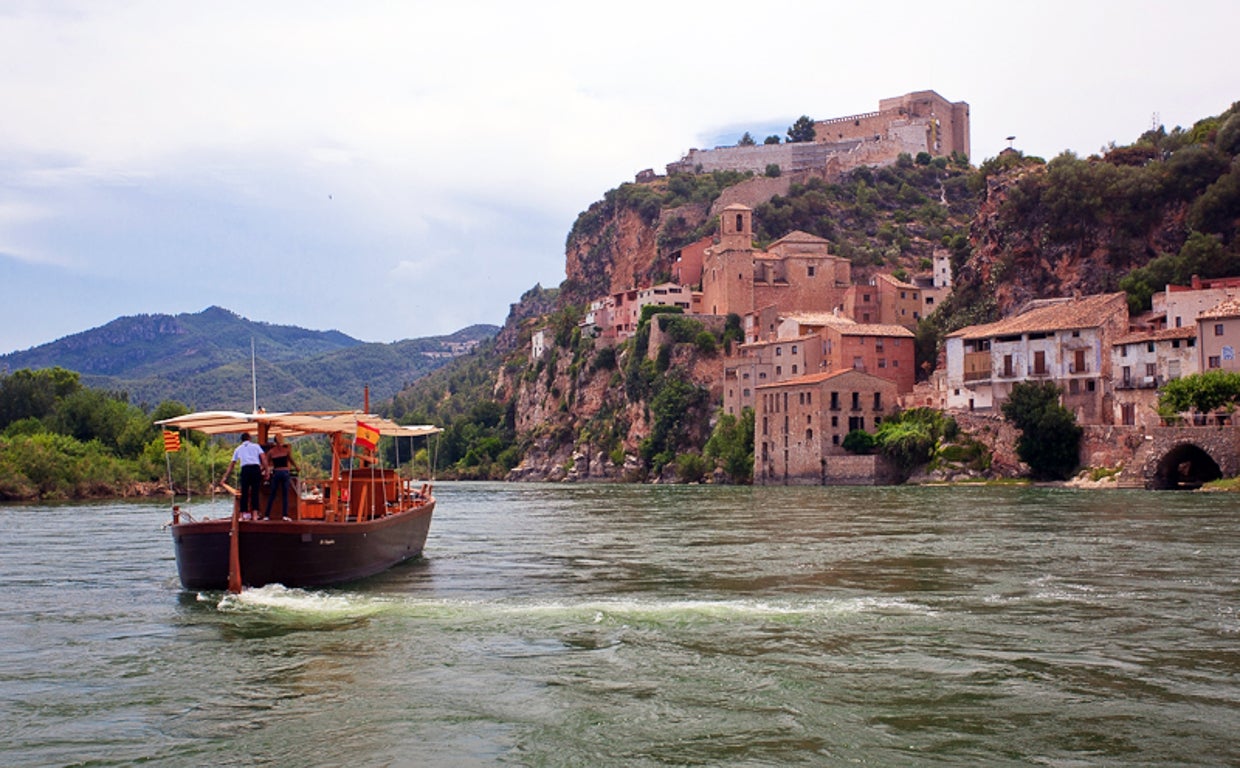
(859, 441)
(691, 467)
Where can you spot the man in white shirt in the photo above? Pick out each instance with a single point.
(253, 461)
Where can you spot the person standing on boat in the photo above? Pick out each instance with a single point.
(253, 463)
(279, 460)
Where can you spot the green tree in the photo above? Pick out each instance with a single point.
(908, 438)
(802, 130)
(1201, 392)
(34, 393)
(746, 140)
(772, 139)
(1050, 439)
(731, 445)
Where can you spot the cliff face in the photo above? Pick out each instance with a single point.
(579, 421)
(1022, 252)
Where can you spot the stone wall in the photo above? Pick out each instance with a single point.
(859, 470)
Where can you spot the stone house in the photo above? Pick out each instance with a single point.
(1141, 363)
(800, 425)
(1182, 304)
(885, 300)
(1218, 333)
(687, 262)
(1065, 341)
(767, 362)
(886, 351)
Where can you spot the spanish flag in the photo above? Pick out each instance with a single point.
(172, 441)
(367, 436)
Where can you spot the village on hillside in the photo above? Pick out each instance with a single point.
(823, 356)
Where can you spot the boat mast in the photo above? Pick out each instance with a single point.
(253, 376)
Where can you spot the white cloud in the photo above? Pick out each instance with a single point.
(334, 144)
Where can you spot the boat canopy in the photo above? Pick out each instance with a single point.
(294, 424)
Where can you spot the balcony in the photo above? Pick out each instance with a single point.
(1141, 382)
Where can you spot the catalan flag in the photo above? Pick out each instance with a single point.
(172, 441)
(367, 436)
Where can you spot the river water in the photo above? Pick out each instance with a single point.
(586, 625)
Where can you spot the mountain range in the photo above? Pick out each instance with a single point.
(204, 360)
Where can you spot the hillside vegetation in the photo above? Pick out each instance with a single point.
(203, 359)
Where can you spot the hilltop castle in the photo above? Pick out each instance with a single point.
(922, 121)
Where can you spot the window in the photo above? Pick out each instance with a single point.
(1213, 362)
(794, 369)
(764, 425)
(1074, 387)
(745, 393)
(835, 439)
(1218, 329)
(794, 349)
(882, 362)
(779, 370)
(779, 351)
(809, 435)
(1151, 369)
(856, 401)
(835, 401)
(878, 401)
(835, 421)
(809, 398)
(1149, 346)
(809, 271)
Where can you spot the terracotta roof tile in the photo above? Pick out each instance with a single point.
(875, 329)
(1063, 315)
(1228, 308)
(1163, 334)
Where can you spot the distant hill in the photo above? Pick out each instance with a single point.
(203, 360)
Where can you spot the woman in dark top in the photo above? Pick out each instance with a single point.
(280, 459)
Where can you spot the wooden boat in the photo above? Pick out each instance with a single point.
(358, 522)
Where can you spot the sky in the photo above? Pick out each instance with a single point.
(403, 169)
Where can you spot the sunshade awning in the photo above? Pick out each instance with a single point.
(293, 424)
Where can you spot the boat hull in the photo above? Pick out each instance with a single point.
(299, 553)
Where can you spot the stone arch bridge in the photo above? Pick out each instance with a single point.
(1186, 457)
